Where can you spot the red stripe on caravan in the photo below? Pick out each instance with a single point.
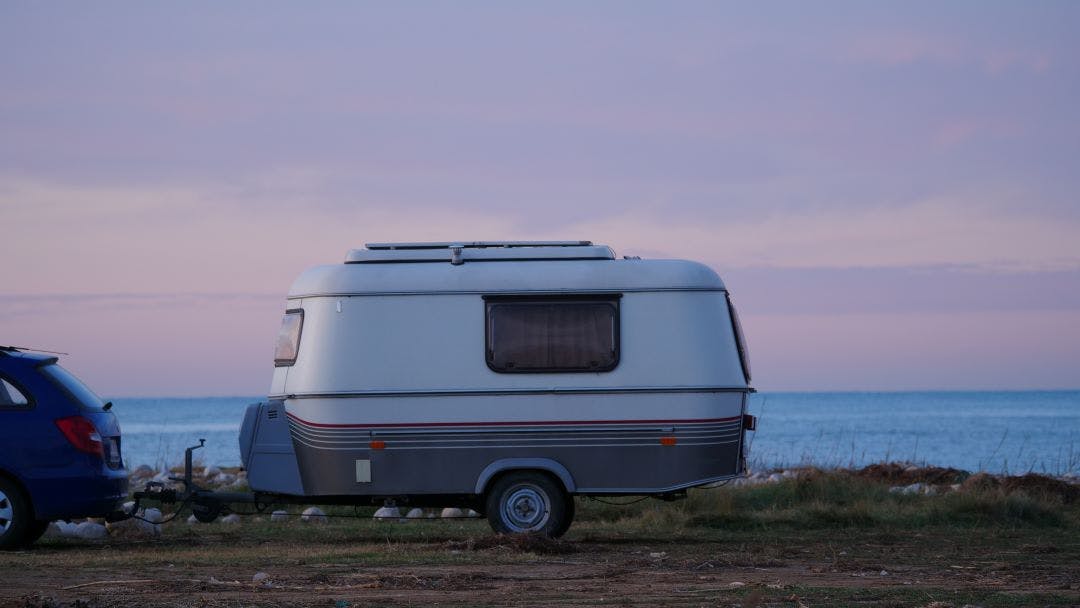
(505, 423)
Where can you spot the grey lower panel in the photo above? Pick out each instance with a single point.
(267, 449)
(417, 464)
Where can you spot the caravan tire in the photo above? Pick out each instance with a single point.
(529, 502)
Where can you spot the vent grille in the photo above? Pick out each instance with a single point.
(271, 414)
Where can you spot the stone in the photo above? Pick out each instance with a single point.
(191, 520)
(416, 513)
(451, 513)
(260, 577)
(230, 519)
(211, 472)
(387, 513)
(54, 530)
(471, 513)
(223, 479)
(91, 530)
(142, 471)
(313, 515)
(279, 516)
(66, 528)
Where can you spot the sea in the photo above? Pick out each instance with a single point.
(1011, 432)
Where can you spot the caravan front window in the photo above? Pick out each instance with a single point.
(288, 339)
(552, 334)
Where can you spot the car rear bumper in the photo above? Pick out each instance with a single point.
(71, 497)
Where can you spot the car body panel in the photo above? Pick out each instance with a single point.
(60, 481)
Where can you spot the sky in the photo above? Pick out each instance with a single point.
(889, 190)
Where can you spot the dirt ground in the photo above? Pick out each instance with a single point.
(342, 566)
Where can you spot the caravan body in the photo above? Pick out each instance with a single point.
(420, 370)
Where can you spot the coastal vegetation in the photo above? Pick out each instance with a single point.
(891, 534)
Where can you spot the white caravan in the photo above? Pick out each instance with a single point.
(506, 377)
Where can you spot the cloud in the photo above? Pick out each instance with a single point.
(256, 235)
(905, 48)
(932, 232)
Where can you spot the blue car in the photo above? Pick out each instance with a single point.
(59, 449)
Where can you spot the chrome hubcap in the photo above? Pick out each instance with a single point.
(526, 508)
(6, 512)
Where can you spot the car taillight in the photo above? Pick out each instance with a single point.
(82, 434)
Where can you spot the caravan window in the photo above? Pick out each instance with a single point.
(288, 339)
(552, 334)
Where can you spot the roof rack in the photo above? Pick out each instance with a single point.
(476, 244)
(478, 251)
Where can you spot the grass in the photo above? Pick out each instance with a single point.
(819, 538)
(836, 499)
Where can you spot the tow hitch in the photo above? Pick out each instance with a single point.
(206, 504)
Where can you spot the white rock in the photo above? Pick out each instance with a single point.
(211, 471)
(736, 584)
(259, 577)
(231, 518)
(191, 520)
(128, 506)
(54, 530)
(91, 530)
(148, 528)
(416, 513)
(279, 516)
(67, 528)
(451, 512)
(471, 513)
(776, 478)
(387, 513)
(153, 515)
(224, 478)
(313, 515)
(141, 471)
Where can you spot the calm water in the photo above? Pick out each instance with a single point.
(993, 431)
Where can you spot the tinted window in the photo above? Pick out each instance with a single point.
(10, 396)
(79, 391)
(552, 334)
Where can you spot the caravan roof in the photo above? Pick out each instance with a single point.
(488, 267)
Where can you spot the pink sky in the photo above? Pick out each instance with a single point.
(890, 192)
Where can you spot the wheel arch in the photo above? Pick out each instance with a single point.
(20, 486)
(506, 465)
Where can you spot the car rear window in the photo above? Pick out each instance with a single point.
(87, 398)
(11, 396)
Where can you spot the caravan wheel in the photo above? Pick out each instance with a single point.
(529, 502)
